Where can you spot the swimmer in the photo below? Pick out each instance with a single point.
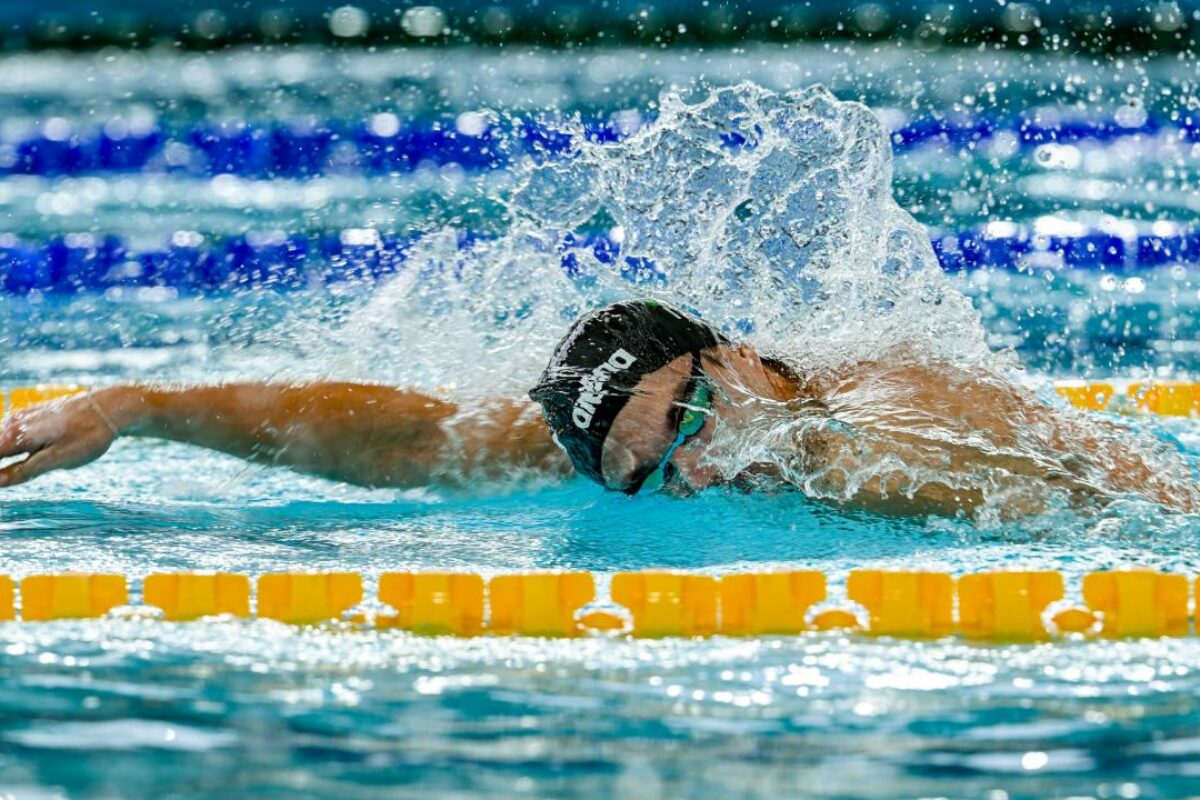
(640, 397)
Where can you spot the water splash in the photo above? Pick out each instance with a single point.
(772, 214)
(768, 213)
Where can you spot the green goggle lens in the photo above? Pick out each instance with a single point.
(696, 411)
(695, 414)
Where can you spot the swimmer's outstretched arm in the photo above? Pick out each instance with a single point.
(359, 433)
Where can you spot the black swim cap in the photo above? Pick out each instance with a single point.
(594, 369)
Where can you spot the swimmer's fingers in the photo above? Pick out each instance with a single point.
(52, 456)
(37, 464)
(10, 441)
(19, 436)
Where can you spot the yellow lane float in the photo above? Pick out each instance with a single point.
(999, 606)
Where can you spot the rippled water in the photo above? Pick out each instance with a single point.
(137, 708)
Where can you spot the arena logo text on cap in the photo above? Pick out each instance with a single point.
(592, 390)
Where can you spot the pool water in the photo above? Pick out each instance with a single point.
(136, 708)
(147, 708)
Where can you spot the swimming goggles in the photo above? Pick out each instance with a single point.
(688, 419)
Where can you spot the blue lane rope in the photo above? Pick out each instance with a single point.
(189, 262)
(1016, 247)
(298, 150)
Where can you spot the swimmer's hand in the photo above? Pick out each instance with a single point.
(63, 434)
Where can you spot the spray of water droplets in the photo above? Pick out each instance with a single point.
(769, 214)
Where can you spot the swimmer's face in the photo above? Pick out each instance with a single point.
(645, 429)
